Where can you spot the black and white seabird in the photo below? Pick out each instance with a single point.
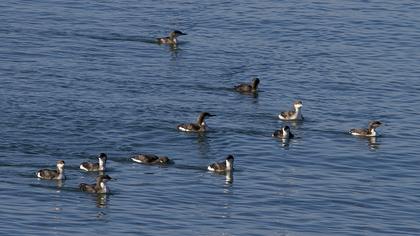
(52, 174)
(226, 165)
(99, 187)
(293, 115)
(171, 39)
(199, 126)
(369, 132)
(151, 159)
(283, 133)
(248, 88)
(89, 166)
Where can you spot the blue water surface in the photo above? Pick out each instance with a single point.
(83, 77)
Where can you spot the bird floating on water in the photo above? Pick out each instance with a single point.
(171, 39)
(369, 132)
(248, 88)
(283, 133)
(99, 187)
(226, 165)
(293, 115)
(52, 174)
(151, 159)
(199, 126)
(100, 166)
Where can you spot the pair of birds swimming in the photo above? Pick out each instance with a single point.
(370, 131)
(200, 124)
(224, 166)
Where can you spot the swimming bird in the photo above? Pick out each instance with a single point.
(52, 174)
(89, 166)
(151, 159)
(226, 165)
(369, 132)
(171, 39)
(99, 187)
(247, 88)
(199, 126)
(283, 133)
(293, 115)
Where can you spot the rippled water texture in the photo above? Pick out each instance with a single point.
(83, 77)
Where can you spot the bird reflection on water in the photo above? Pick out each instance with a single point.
(101, 200)
(284, 143)
(373, 143)
(59, 183)
(203, 144)
(229, 177)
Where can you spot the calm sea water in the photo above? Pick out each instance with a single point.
(82, 77)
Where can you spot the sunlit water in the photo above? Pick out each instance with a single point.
(83, 77)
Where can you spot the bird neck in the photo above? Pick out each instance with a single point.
(372, 131)
(254, 85)
(101, 186)
(229, 165)
(101, 164)
(60, 169)
(298, 111)
(201, 121)
(285, 133)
